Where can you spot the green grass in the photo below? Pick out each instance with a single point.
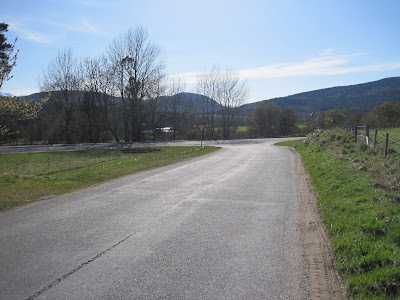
(241, 129)
(302, 125)
(359, 198)
(52, 162)
(394, 140)
(26, 178)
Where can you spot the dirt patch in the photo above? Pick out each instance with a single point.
(323, 280)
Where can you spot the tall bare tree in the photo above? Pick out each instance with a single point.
(228, 92)
(117, 56)
(109, 105)
(63, 80)
(141, 69)
(177, 109)
(157, 108)
(232, 94)
(208, 85)
(89, 103)
(100, 108)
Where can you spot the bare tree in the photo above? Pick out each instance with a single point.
(117, 56)
(225, 90)
(157, 108)
(63, 80)
(232, 94)
(109, 106)
(100, 108)
(208, 86)
(176, 105)
(140, 69)
(88, 104)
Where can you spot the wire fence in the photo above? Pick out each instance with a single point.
(46, 163)
(386, 140)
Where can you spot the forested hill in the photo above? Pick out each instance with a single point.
(349, 99)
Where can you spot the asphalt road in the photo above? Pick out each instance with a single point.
(222, 226)
(92, 146)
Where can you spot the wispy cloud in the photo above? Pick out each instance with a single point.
(24, 29)
(30, 34)
(83, 26)
(91, 3)
(325, 64)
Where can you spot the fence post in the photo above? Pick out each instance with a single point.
(387, 144)
(376, 134)
(355, 133)
(367, 131)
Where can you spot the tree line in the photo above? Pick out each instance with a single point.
(270, 120)
(385, 115)
(125, 95)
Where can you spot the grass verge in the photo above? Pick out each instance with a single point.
(359, 199)
(26, 178)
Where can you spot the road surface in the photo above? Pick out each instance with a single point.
(224, 226)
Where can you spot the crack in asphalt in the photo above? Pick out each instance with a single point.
(76, 269)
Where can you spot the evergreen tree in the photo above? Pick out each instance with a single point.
(7, 59)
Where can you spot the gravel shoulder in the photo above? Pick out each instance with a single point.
(323, 279)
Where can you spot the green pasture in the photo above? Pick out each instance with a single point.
(28, 177)
(241, 129)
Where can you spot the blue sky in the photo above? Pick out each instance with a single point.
(280, 47)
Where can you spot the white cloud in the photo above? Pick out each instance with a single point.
(83, 26)
(325, 64)
(86, 27)
(29, 34)
(24, 31)
(189, 78)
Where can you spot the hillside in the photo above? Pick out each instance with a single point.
(198, 101)
(349, 99)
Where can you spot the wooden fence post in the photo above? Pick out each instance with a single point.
(355, 133)
(387, 144)
(376, 134)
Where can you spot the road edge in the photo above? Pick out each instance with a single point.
(324, 282)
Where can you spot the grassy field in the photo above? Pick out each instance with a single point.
(25, 178)
(394, 139)
(359, 198)
(241, 129)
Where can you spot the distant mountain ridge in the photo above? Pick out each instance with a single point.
(6, 94)
(349, 99)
